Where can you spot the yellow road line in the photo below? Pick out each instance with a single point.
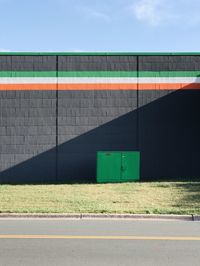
(172, 238)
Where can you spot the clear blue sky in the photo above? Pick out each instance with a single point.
(99, 25)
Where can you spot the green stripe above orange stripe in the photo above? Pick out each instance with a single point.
(99, 80)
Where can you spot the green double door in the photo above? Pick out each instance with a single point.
(118, 166)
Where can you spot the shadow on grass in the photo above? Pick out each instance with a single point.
(171, 179)
(191, 198)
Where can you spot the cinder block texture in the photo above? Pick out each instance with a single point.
(169, 63)
(27, 63)
(89, 124)
(53, 135)
(27, 125)
(95, 123)
(97, 63)
(27, 129)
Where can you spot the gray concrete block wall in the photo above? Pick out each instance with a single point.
(50, 136)
(27, 124)
(82, 131)
(168, 123)
(27, 129)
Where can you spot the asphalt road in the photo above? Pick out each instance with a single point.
(58, 242)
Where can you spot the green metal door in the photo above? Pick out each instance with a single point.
(108, 167)
(130, 162)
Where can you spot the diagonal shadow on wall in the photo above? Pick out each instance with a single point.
(167, 135)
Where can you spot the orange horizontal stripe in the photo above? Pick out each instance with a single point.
(97, 86)
(169, 86)
(153, 86)
(27, 87)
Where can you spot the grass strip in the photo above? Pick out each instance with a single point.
(133, 198)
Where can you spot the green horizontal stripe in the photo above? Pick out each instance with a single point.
(170, 74)
(27, 74)
(129, 74)
(99, 74)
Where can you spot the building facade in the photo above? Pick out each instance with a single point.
(58, 109)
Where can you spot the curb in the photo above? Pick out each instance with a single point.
(196, 218)
(86, 216)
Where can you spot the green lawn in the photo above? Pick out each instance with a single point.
(149, 197)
